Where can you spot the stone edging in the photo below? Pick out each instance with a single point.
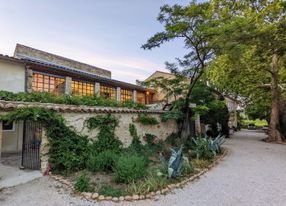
(96, 197)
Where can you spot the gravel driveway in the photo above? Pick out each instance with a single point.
(254, 173)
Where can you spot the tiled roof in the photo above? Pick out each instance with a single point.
(11, 105)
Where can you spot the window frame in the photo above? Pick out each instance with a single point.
(8, 130)
(109, 88)
(56, 92)
(92, 85)
(124, 94)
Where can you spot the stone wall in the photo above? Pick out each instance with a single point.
(162, 130)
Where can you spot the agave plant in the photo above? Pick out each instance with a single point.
(215, 145)
(174, 164)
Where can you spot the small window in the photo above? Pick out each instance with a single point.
(7, 126)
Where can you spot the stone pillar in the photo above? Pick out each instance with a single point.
(68, 85)
(97, 88)
(118, 94)
(1, 136)
(29, 80)
(44, 150)
(134, 96)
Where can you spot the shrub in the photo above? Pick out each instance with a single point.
(46, 97)
(129, 168)
(82, 183)
(202, 149)
(186, 167)
(147, 120)
(103, 161)
(172, 115)
(108, 190)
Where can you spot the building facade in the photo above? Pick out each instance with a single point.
(33, 70)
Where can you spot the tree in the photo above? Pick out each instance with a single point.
(172, 88)
(189, 23)
(250, 46)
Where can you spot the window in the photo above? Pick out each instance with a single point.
(126, 95)
(141, 97)
(7, 127)
(107, 92)
(80, 88)
(48, 83)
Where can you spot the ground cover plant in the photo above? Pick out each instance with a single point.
(45, 97)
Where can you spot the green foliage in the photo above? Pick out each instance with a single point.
(45, 97)
(129, 168)
(82, 183)
(147, 120)
(108, 190)
(172, 115)
(106, 139)
(174, 140)
(153, 182)
(104, 161)
(186, 167)
(202, 149)
(136, 144)
(150, 138)
(68, 150)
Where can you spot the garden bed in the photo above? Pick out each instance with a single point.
(200, 168)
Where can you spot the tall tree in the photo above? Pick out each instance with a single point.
(189, 23)
(250, 46)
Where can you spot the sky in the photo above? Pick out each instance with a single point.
(104, 33)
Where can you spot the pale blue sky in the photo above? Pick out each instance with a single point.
(104, 33)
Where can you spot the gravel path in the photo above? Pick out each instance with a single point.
(254, 173)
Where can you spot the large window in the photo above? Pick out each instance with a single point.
(141, 97)
(107, 92)
(80, 88)
(48, 83)
(126, 95)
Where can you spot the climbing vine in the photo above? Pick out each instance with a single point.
(106, 139)
(68, 150)
(147, 120)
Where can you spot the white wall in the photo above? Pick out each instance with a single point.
(162, 130)
(12, 76)
(12, 140)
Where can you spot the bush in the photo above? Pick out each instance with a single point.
(202, 149)
(103, 161)
(108, 190)
(129, 168)
(46, 97)
(83, 183)
(172, 115)
(186, 167)
(147, 120)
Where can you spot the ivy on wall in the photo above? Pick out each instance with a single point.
(147, 120)
(68, 150)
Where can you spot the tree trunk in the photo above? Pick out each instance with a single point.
(274, 126)
(186, 130)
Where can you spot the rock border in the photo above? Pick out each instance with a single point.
(135, 197)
